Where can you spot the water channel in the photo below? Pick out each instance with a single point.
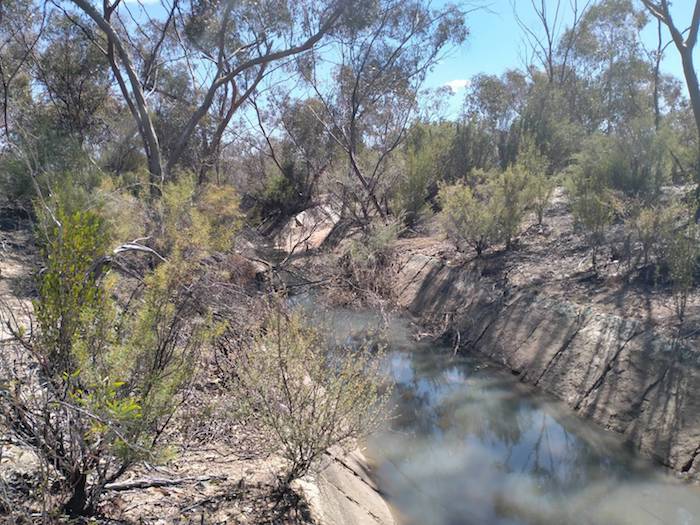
(469, 444)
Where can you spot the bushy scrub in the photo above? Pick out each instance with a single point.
(509, 193)
(425, 160)
(490, 213)
(194, 220)
(468, 219)
(540, 188)
(366, 258)
(540, 185)
(634, 161)
(653, 228)
(307, 396)
(285, 192)
(91, 386)
(591, 200)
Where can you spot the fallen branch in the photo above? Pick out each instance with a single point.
(159, 482)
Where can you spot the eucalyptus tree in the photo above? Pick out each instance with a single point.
(550, 41)
(377, 67)
(609, 54)
(685, 40)
(21, 27)
(73, 79)
(225, 47)
(297, 152)
(498, 103)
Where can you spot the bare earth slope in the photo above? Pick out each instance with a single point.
(607, 345)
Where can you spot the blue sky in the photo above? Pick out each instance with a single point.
(496, 43)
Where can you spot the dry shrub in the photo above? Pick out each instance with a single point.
(305, 394)
(682, 257)
(365, 262)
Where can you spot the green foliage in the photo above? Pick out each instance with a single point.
(653, 227)
(548, 119)
(308, 396)
(493, 212)
(634, 161)
(194, 220)
(67, 285)
(424, 161)
(540, 189)
(468, 219)
(366, 258)
(287, 190)
(539, 184)
(591, 202)
(509, 195)
(107, 373)
(46, 161)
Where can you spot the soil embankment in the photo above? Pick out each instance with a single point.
(583, 339)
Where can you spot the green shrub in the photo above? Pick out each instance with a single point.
(592, 201)
(104, 373)
(307, 396)
(366, 259)
(425, 161)
(540, 188)
(468, 219)
(195, 220)
(412, 191)
(653, 228)
(539, 184)
(510, 199)
(633, 161)
(285, 192)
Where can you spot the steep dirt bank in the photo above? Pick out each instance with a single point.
(585, 340)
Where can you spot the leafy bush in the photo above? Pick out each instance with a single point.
(286, 191)
(510, 199)
(591, 200)
(467, 219)
(425, 158)
(540, 188)
(539, 184)
(634, 161)
(307, 396)
(104, 374)
(194, 220)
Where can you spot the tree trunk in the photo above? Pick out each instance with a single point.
(76, 505)
(691, 79)
(657, 68)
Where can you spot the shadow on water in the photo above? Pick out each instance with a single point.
(469, 444)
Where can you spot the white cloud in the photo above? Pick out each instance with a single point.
(457, 85)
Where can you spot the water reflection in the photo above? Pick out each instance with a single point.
(468, 445)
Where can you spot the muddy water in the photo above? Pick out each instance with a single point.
(468, 444)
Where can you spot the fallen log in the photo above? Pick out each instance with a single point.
(159, 482)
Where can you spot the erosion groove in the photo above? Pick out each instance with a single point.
(608, 367)
(580, 322)
(560, 342)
